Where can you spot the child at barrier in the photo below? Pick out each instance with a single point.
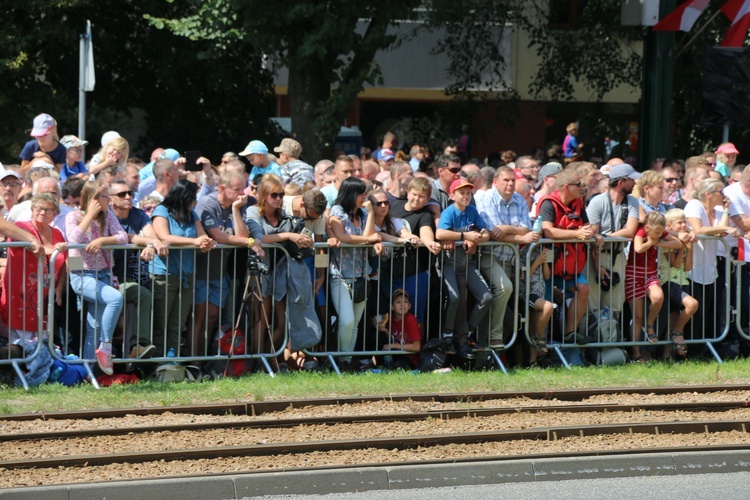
(674, 268)
(540, 309)
(461, 222)
(641, 277)
(402, 331)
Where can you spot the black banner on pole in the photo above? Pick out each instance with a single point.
(726, 88)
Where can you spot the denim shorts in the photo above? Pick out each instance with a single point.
(217, 291)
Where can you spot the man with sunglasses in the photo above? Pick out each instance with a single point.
(449, 170)
(671, 185)
(564, 218)
(131, 267)
(612, 213)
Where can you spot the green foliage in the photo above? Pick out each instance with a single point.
(261, 387)
(599, 52)
(210, 94)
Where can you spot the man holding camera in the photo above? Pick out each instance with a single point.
(221, 217)
(612, 213)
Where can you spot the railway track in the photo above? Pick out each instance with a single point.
(701, 421)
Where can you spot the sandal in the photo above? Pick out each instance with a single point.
(680, 347)
(638, 360)
(541, 345)
(651, 335)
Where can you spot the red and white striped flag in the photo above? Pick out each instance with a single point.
(738, 11)
(743, 250)
(683, 18)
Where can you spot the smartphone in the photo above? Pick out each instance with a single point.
(550, 256)
(191, 161)
(306, 232)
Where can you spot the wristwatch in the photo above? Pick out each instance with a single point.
(150, 245)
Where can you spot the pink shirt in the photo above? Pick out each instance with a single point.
(101, 260)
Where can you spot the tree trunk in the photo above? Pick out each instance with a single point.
(308, 89)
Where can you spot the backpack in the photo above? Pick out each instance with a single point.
(434, 355)
(237, 367)
(607, 330)
(177, 373)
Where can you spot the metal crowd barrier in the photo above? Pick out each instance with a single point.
(427, 303)
(7, 336)
(387, 274)
(707, 327)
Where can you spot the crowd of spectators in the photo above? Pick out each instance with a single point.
(434, 210)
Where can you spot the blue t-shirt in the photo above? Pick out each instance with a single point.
(453, 219)
(58, 155)
(178, 261)
(272, 168)
(69, 171)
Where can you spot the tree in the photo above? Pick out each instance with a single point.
(185, 91)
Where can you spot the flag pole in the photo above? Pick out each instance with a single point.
(83, 45)
(687, 44)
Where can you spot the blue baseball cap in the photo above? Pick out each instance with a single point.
(255, 147)
(171, 154)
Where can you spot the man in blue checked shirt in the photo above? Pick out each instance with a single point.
(506, 216)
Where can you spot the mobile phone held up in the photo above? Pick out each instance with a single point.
(191, 161)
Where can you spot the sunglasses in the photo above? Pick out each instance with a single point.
(276, 196)
(576, 184)
(671, 179)
(454, 170)
(382, 203)
(149, 209)
(123, 194)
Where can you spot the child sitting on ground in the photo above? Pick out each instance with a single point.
(402, 331)
(675, 265)
(641, 277)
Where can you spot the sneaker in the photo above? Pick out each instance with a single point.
(142, 352)
(578, 338)
(449, 349)
(475, 344)
(464, 350)
(104, 357)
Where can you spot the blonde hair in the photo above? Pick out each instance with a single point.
(706, 186)
(91, 191)
(649, 178)
(673, 215)
(655, 219)
(270, 184)
(118, 144)
(421, 184)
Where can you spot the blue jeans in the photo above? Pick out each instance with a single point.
(104, 306)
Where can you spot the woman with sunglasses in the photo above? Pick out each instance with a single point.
(391, 230)
(269, 215)
(178, 225)
(708, 215)
(351, 224)
(96, 226)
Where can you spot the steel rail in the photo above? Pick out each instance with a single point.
(439, 414)
(388, 443)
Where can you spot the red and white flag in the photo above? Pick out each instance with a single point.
(743, 250)
(683, 18)
(738, 11)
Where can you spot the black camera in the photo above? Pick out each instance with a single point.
(255, 267)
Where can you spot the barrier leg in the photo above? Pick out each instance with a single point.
(267, 365)
(92, 378)
(334, 365)
(714, 353)
(19, 372)
(498, 361)
(560, 355)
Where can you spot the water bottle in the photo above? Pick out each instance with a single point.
(56, 372)
(171, 353)
(537, 225)
(604, 316)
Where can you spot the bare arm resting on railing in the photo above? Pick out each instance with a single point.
(10, 230)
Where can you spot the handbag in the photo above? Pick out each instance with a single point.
(359, 290)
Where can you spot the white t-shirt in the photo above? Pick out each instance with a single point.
(704, 251)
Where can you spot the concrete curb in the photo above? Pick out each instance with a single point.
(321, 482)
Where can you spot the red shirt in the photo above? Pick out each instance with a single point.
(405, 331)
(644, 264)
